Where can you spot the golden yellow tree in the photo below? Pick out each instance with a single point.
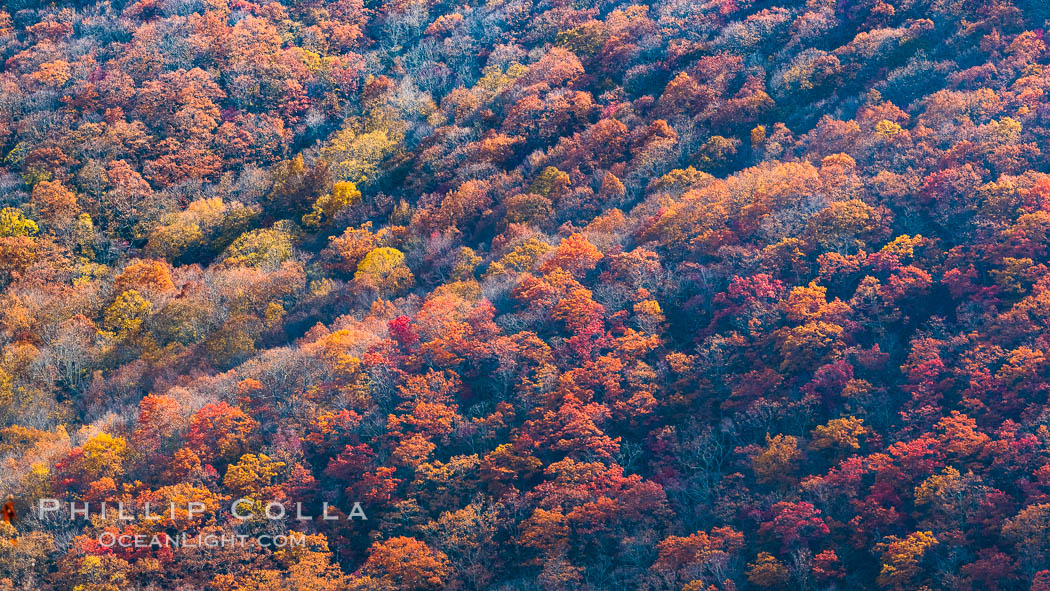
(384, 269)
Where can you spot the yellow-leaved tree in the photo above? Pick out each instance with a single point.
(384, 269)
(343, 195)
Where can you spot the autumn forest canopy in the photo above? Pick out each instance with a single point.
(693, 295)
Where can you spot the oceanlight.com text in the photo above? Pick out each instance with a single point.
(184, 540)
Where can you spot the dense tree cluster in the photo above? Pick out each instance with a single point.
(691, 295)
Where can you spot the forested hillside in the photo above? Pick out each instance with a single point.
(696, 295)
